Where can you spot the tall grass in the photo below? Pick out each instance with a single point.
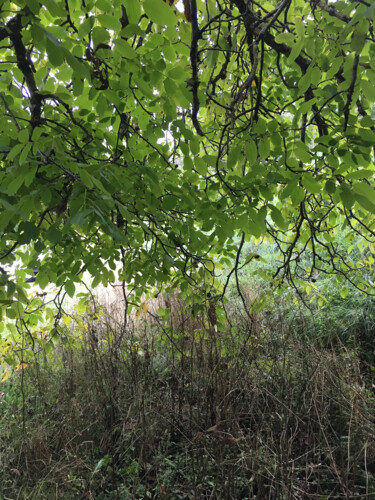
(183, 409)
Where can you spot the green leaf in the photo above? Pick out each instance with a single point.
(264, 147)
(255, 228)
(24, 153)
(344, 292)
(51, 38)
(278, 218)
(311, 183)
(56, 9)
(86, 178)
(289, 189)
(110, 22)
(133, 10)
(316, 75)
(295, 52)
(160, 12)
(251, 151)
(16, 183)
(201, 166)
(178, 73)
(300, 27)
(364, 189)
(365, 203)
(298, 195)
(11, 313)
(34, 6)
(14, 152)
(305, 82)
(28, 232)
(54, 235)
(23, 135)
(347, 196)
(209, 265)
(169, 202)
(79, 68)
(330, 187)
(368, 89)
(287, 38)
(55, 53)
(358, 41)
(42, 279)
(125, 49)
(70, 288)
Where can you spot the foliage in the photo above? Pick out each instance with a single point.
(158, 144)
(322, 311)
(141, 137)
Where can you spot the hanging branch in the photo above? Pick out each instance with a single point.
(251, 22)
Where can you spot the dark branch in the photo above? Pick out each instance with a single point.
(350, 91)
(13, 30)
(194, 84)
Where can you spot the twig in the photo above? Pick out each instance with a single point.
(10, 112)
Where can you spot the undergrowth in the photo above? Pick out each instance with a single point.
(181, 409)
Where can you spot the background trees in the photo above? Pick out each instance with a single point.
(162, 137)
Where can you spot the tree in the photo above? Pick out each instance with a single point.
(162, 137)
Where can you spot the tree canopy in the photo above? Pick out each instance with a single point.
(157, 138)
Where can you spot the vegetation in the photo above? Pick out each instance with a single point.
(213, 161)
(184, 411)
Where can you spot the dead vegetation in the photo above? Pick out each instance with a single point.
(179, 408)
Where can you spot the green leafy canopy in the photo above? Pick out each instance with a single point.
(154, 137)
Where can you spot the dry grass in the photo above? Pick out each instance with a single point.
(184, 410)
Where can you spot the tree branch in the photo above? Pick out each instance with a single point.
(330, 9)
(251, 21)
(13, 30)
(350, 91)
(194, 84)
